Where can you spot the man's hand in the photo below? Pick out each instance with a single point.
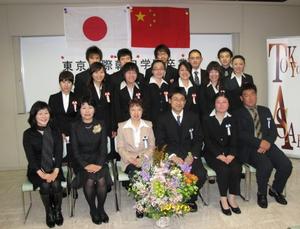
(176, 160)
(229, 159)
(222, 157)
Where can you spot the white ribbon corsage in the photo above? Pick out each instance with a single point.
(74, 103)
(191, 133)
(166, 96)
(269, 122)
(194, 98)
(97, 129)
(138, 95)
(107, 95)
(228, 129)
(145, 141)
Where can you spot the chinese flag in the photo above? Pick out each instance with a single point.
(151, 26)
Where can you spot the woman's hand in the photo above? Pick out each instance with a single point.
(222, 157)
(92, 168)
(229, 159)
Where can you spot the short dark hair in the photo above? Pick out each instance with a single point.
(66, 76)
(93, 50)
(35, 108)
(162, 48)
(238, 57)
(87, 99)
(158, 61)
(195, 50)
(177, 90)
(135, 102)
(225, 49)
(221, 93)
(94, 67)
(248, 86)
(185, 64)
(130, 66)
(124, 52)
(213, 65)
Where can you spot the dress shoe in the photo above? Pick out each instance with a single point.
(59, 219)
(262, 200)
(104, 217)
(50, 219)
(95, 218)
(236, 210)
(278, 197)
(193, 207)
(212, 181)
(139, 214)
(225, 211)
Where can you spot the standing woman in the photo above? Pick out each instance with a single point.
(89, 143)
(159, 90)
(213, 87)
(220, 138)
(43, 147)
(193, 93)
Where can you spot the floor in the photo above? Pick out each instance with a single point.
(275, 216)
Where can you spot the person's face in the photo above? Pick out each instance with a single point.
(163, 56)
(238, 66)
(225, 59)
(98, 76)
(195, 60)
(214, 76)
(249, 98)
(130, 76)
(158, 70)
(94, 58)
(42, 117)
(184, 74)
(177, 102)
(65, 86)
(87, 112)
(135, 113)
(221, 104)
(124, 59)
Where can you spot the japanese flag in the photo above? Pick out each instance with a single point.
(107, 27)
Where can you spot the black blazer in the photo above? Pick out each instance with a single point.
(217, 138)
(181, 139)
(62, 120)
(247, 142)
(208, 98)
(204, 78)
(81, 82)
(170, 76)
(89, 143)
(226, 72)
(233, 89)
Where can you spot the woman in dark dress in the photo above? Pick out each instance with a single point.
(220, 153)
(89, 144)
(43, 147)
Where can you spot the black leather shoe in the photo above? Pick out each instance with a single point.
(193, 207)
(262, 201)
(50, 219)
(104, 217)
(59, 219)
(95, 218)
(236, 210)
(278, 197)
(212, 181)
(139, 214)
(225, 211)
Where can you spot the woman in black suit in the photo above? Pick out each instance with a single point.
(89, 144)
(193, 93)
(159, 90)
(128, 90)
(220, 153)
(43, 147)
(213, 87)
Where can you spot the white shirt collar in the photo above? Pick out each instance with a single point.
(216, 90)
(234, 75)
(152, 80)
(129, 124)
(65, 101)
(175, 115)
(180, 84)
(213, 113)
(123, 85)
(197, 70)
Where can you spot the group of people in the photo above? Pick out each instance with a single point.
(190, 111)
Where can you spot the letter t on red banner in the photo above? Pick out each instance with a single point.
(151, 26)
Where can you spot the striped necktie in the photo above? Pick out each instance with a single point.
(256, 121)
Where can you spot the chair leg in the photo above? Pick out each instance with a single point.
(73, 202)
(26, 213)
(202, 199)
(119, 198)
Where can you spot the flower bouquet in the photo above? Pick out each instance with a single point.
(162, 188)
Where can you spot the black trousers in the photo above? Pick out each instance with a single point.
(264, 164)
(228, 176)
(198, 170)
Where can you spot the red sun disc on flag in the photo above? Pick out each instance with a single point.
(94, 28)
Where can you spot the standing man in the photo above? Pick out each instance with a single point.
(256, 136)
(180, 130)
(225, 55)
(199, 75)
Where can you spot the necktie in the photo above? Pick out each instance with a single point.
(178, 120)
(47, 150)
(197, 80)
(257, 125)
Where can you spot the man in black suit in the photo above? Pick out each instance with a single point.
(163, 53)
(199, 76)
(93, 54)
(256, 136)
(181, 131)
(225, 55)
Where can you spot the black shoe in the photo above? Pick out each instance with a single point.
(193, 207)
(139, 214)
(50, 219)
(104, 217)
(262, 200)
(225, 211)
(278, 197)
(59, 219)
(64, 194)
(212, 181)
(95, 218)
(236, 210)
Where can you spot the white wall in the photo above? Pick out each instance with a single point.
(254, 23)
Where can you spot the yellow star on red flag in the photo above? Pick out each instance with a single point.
(140, 16)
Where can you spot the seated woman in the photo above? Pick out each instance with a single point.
(219, 152)
(43, 147)
(89, 144)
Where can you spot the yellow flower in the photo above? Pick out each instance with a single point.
(97, 129)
